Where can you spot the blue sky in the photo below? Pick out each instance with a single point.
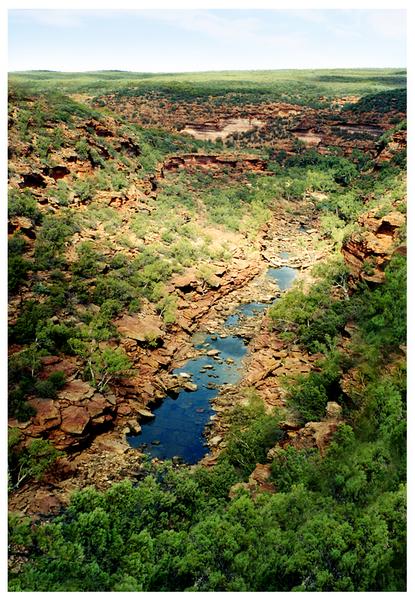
(201, 40)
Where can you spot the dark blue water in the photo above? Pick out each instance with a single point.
(177, 430)
(179, 423)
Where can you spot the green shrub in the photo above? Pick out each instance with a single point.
(252, 434)
(30, 318)
(51, 239)
(22, 203)
(89, 261)
(48, 388)
(292, 467)
(18, 269)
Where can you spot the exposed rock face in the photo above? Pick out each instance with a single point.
(280, 125)
(368, 251)
(70, 420)
(51, 364)
(258, 482)
(57, 172)
(76, 390)
(396, 143)
(193, 161)
(317, 434)
(75, 420)
(220, 129)
(140, 328)
(22, 225)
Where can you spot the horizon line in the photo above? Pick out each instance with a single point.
(211, 70)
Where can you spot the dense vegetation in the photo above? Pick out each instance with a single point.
(235, 87)
(336, 520)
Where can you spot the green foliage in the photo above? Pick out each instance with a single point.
(82, 149)
(336, 521)
(22, 203)
(48, 388)
(291, 467)
(89, 261)
(50, 241)
(383, 320)
(18, 269)
(167, 307)
(102, 365)
(315, 317)
(34, 460)
(84, 189)
(252, 434)
(31, 316)
(381, 102)
(310, 394)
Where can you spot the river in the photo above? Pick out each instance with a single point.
(178, 426)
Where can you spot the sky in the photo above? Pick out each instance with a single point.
(204, 40)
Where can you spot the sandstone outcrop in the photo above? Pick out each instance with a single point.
(316, 434)
(368, 251)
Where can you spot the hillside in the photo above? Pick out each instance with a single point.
(207, 331)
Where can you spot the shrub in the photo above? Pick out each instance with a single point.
(35, 460)
(48, 388)
(88, 263)
(252, 434)
(18, 269)
(31, 316)
(22, 203)
(51, 239)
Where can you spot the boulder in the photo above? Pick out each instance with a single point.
(75, 420)
(76, 390)
(215, 441)
(47, 416)
(144, 412)
(134, 426)
(97, 405)
(140, 328)
(185, 281)
(333, 411)
(213, 352)
(189, 386)
(259, 478)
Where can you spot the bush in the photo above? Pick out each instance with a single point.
(51, 239)
(22, 203)
(48, 388)
(88, 263)
(251, 435)
(310, 393)
(35, 460)
(292, 467)
(31, 317)
(18, 269)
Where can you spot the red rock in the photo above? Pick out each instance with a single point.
(44, 503)
(187, 280)
(123, 409)
(47, 413)
(49, 360)
(96, 405)
(75, 419)
(76, 390)
(140, 328)
(68, 366)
